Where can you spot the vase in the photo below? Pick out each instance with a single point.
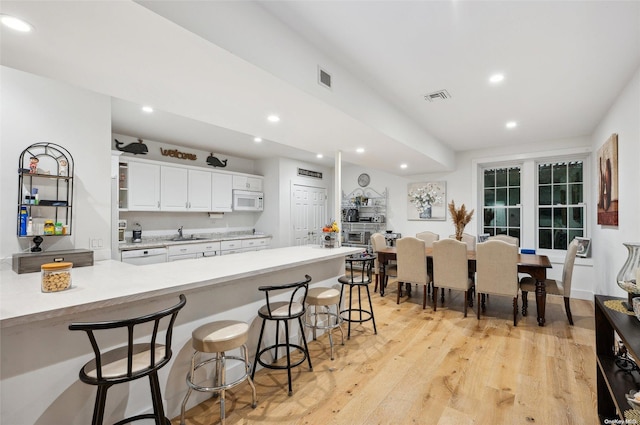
(628, 276)
(426, 212)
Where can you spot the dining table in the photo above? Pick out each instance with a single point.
(533, 264)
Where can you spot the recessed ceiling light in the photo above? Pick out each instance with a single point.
(496, 78)
(257, 139)
(147, 109)
(15, 23)
(360, 150)
(403, 166)
(273, 118)
(511, 124)
(319, 156)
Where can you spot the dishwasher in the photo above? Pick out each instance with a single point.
(145, 256)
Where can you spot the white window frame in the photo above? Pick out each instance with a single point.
(481, 190)
(528, 163)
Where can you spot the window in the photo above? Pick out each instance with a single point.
(501, 205)
(561, 208)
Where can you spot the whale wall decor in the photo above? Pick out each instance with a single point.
(215, 162)
(135, 148)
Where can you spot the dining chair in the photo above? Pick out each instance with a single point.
(555, 287)
(497, 272)
(379, 242)
(428, 237)
(508, 239)
(450, 269)
(412, 266)
(470, 240)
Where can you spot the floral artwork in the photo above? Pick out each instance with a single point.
(427, 201)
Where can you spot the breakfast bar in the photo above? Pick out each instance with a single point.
(41, 357)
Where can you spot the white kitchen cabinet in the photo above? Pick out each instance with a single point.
(193, 250)
(247, 183)
(144, 186)
(199, 191)
(221, 192)
(185, 190)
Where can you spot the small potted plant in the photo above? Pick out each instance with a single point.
(460, 218)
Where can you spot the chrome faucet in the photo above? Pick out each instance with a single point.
(180, 231)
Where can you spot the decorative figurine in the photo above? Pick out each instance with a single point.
(33, 165)
(62, 171)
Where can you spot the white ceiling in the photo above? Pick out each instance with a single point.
(213, 70)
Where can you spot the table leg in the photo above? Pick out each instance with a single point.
(382, 277)
(541, 300)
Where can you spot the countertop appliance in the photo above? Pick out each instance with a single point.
(137, 233)
(352, 215)
(140, 257)
(245, 200)
(122, 225)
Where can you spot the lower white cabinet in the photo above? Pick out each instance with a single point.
(243, 245)
(193, 250)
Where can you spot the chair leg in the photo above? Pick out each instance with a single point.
(375, 288)
(478, 307)
(567, 309)
(515, 310)
(424, 297)
(465, 303)
(255, 360)
(525, 303)
(286, 335)
(98, 410)
(442, 295)
(399, 293)
(223, 379)
(156, 397)
(373, 319)
(304, 340)
(247, 365)
(435, 304)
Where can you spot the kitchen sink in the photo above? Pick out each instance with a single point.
(181, 239)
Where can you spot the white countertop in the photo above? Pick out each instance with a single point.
(110, 282)
(159, 242)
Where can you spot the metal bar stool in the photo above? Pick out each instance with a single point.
(131, 361)
(360, 267)
(324, 298)
(283, 311)
(218, 338)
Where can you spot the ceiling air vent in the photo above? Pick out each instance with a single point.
(324, 78)
(437, 95)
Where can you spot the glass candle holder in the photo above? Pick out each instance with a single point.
(628, 276)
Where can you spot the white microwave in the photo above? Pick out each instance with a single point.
(244, 200)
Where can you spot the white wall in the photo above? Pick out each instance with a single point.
(623, 118)
(36, 109)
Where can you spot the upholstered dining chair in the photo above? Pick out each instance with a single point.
(470, 240)
(555, 287)
(508, 239)
(428, 237)
(450, 269)
(378, 242)
(412, 266)
(497, 272)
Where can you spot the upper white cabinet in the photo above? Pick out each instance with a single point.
(145, 185)
(247, 183)
(185, 190)
(143, 182)
(199, 193)
(221, 192)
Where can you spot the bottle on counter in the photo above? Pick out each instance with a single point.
(30, 227)
(24, 218)
(57, 229)
(49, 228)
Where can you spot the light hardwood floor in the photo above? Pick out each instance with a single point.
(434, 368)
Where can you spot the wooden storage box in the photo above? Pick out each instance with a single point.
(31, 262)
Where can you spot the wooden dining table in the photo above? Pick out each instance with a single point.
(532, 264)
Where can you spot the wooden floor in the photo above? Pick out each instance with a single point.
(434, 368)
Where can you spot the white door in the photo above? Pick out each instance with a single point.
(309, 212)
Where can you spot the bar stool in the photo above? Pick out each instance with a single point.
(324, 298)
(283, 311)
(131, 361)
(359, 276)
(217, 338)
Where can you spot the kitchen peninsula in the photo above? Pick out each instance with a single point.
(41, 358)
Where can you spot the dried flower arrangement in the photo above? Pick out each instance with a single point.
(460, 218)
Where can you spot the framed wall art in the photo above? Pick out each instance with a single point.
(427, 201)
(608, 182)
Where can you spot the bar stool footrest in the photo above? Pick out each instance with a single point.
(221, 387)
(285, 346)
(337, 321)
(141, 417)
(357, 311)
